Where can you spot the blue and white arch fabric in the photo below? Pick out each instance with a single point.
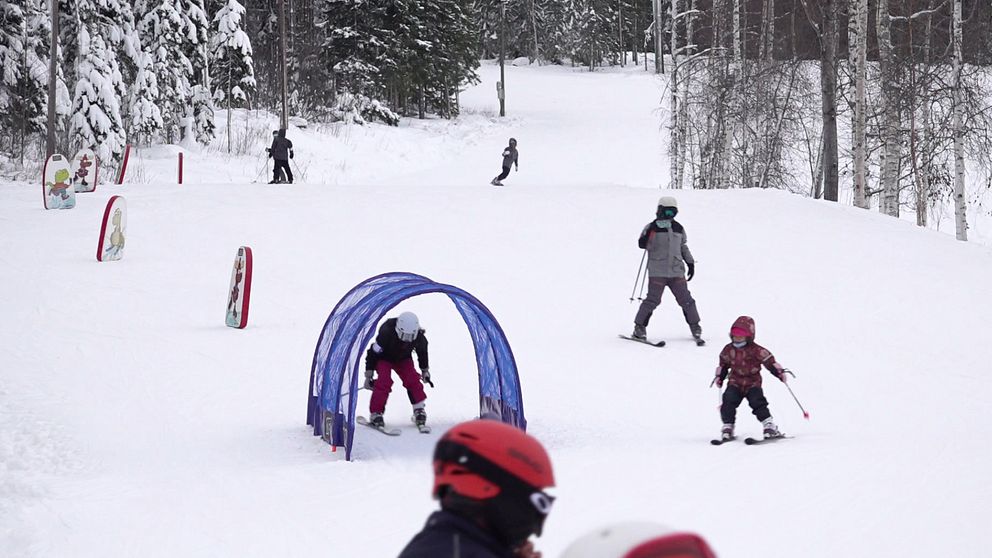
(351, 326)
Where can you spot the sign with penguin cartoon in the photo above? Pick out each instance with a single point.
(57, 189)
(239, 295)
(85, 171)
(113, 230)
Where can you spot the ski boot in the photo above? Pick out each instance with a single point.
(697, 335)
(420, 419)
(770, 430)
(639, 332)
(727, 432)
(375, 419)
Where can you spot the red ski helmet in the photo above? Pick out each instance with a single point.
(639, 540)
(500, 472)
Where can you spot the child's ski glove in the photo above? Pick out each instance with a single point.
(369, 374)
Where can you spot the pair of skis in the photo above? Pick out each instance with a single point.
(751, 441)
(422, 428)
(698, 340)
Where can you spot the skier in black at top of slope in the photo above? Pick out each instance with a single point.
(510, 157)
(281, 151)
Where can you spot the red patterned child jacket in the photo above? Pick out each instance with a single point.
(743, 365)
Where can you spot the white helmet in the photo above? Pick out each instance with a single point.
(668, 201)
(407, 326)
(638, 540)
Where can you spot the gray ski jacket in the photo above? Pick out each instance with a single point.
(668, 251)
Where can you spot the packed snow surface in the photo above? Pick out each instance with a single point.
(134, 423)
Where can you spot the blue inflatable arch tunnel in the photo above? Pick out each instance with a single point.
(351, 327)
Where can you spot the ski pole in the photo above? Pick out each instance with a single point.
(638, 278)
(796, 399)
(644, 282)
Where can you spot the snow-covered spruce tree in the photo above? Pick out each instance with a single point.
(174, 32)
(196, 33)
(145, 118)
(595, 38)
(96, 111)
(160, 28)
(12, 52)
(440, 41)
(231, 60)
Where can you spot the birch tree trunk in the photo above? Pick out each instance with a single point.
(889, 164)
(684, 105)
(828, 92)
(675, 147)
(960, 204)
(857, 48)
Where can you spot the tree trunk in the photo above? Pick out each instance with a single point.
(828, 92)
(960, 203)
(675, 144)
(229, 87)
(889, 164)
(858, 47)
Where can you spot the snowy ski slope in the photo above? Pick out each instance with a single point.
(134, 423)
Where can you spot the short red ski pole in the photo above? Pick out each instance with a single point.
(805, 414)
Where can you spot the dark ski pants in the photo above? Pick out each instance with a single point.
(284, 165)
(504, 174)
(384, 383)
(680, 288)
(732, 399)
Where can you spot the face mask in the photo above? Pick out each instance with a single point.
(739, 345)
(663, 223)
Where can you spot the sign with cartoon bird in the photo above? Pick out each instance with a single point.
(113, 230)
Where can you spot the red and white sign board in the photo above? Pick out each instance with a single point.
(85, 171)
(239, 295)
(56, 184)
(113, 231)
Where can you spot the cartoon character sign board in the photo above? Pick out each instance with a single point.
(239, 295)
(85, 171)
(112, 231)
(57, 184)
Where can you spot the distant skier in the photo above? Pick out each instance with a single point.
(281, 152)
(510, 157)
(392, 350)
(668, 257)
(741, 361)
(490, 479)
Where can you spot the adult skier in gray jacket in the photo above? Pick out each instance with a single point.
(668, 260)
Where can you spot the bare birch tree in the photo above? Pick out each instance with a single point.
(889, 164)
(858, 48)
(960, 205)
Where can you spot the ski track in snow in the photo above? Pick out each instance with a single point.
(134, 423)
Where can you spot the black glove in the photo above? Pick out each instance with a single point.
(425, 375)
(692, 271)
(290, 154)
(369, 374)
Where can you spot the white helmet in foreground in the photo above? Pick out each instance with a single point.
(638, 540)
(407, 326)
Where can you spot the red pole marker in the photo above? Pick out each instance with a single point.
(180, 168)
(127, 155)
